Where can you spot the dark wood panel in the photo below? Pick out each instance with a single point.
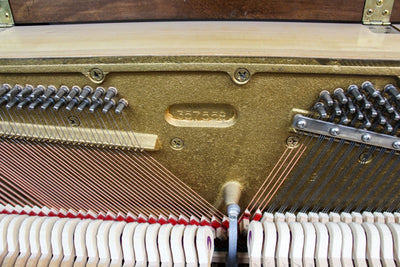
(396, 12)
(67, 11)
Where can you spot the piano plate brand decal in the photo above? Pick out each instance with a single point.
(201, 115)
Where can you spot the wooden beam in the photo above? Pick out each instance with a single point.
(396, 12)
(73, 11)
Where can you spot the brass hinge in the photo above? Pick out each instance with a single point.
(377, 12)
(6, 18)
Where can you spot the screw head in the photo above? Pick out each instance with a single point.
(334, 131)
(96, 75)
(396, 144)
(365, 158)
(241, 75)
(385, 12)
(370, 11)
(301, 124)
(176, 143)
(292, 142)
(379, 2)
(366, 137)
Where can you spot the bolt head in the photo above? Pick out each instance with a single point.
(301, 124)
(177, 143)
(334, 131)
(241, 75)
(366, 137)
(396, 144)
(96, 75)
(292, 141)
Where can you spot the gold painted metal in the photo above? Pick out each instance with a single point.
(6, 17)
(244, 151)
(377, 12)
(201, 115)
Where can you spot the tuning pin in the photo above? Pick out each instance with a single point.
(84, 103)
(339, 95)
(320, 108)
(97, 94)
(73, 103)
(359, 115)
(87, 90)
(122, 104)
(75, 90)
(337, 109)
(10, 97)
(25, 92)
(369, 88)
(389, 108)
(4, 89)
(47, 104)
(391, 90)
(51, 89)
(344, 119)
(111, 92)
(96, 104)
(3, 100)
(36, 92)
(60, 103)
(326, 97)
(22, 104)
(373, 113)
(35, 103)
(14, 91)
(381, 119)
(12, 103)
(61, 92)
(351, 107)
(380, 99)
(388, 128)
(366, 103)
(366, 124)
(396, 115)
(353, 90)
(109, 105)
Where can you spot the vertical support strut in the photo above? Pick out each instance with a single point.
(232, 191)
(233, 213)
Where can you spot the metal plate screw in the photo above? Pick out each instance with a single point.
(370, 11)
(365, 158)
(176, 143)
(292, 142)
(396, 144)
(74, 121)
(334, 131)
(301, 124)
(96, 75)
(241, 75)
(366, 137)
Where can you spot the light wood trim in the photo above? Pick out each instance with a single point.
(264, 39)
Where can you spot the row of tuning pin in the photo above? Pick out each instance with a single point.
(363, 104)
(70, 98)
